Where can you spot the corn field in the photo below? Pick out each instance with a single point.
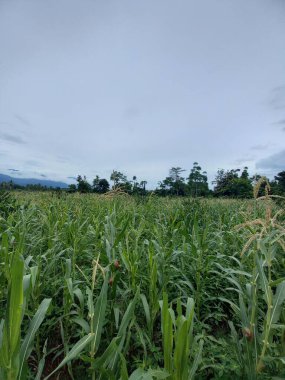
(118, 287)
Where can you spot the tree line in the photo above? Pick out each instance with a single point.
(234, 183)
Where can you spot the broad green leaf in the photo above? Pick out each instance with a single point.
(146, 310)
(264, 281)
(277, 302)
(108, 354)
(83, 323)
(73, 353)
(33, 328)
(196, 361)
(41, 363)
(16, 299)
(180, 351)
(99, 315)
(128, 315)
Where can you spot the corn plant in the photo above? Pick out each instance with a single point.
(260, 300)
(181, 247)
(107, 363)
(180, 359)
(14, 352)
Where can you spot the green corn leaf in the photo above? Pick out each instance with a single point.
(117, 316)
(167, 334)
(146, 310)
(123, 328)
(108, 354)
(79, 296)
(263, 280)
(41, 363)
(16, 299)
(244, 316)
(83, 323)
(99, 315)
(276, 282)
(34, 274)
(128, 315)
(137, 374)
(277, 302)
(123, 370)
(73, 353)
(2, 362)
(196, 361)
(33, 328)
(180, 351)
(90, 303)
(158, 373)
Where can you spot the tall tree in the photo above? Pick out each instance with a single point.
(198, 181)
(280, 179)
(100, 185)
(173, 184)
(118, 179)
(228, 183)
(82, 184)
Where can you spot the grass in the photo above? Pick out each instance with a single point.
(141, 288)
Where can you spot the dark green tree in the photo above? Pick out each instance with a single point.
(280, 179)
(119, 179)
(229, 184)
(100, 185)
(71, 188)
(198, 181)
(173, 184)
(82, 184)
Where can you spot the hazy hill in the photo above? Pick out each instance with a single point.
(32, 181)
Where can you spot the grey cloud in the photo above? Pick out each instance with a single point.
(278, 88)
(12, 138)
(6, 123)
(14, 170)
(131, 112)
(63, 159)
(280, 122)
(274, 162)
(260, 146)
(277, 99)
(243, 160)
(23, 120)
(32, 163)
(71, 178)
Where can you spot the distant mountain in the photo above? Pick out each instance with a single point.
(32, 181)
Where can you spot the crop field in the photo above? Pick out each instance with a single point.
(119, 287)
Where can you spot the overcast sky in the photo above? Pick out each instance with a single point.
(139, 86)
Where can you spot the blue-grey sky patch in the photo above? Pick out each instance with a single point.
(22, 120)
(140, 86)
(273, 163)
(243, 161)
(11, 138)
(278, 98)
(280, 122)
(4, 123)
(32, 163)
(131, 112)
(13, 170)
(261, 147)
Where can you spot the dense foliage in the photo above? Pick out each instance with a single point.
(117, 287)
(227, 183)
